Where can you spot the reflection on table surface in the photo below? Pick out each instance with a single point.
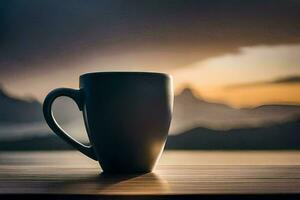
(177, 173)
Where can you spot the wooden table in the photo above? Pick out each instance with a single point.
(178, 175)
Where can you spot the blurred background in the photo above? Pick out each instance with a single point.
(235, 64)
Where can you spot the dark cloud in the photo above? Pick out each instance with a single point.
(289, 79)
(34, 33)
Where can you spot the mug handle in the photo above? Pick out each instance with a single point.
(48, 114)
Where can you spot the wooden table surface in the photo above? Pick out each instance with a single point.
(182, 174)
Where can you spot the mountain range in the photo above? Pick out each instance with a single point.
(23, 117)
(14, 110)
(285, 136)
(196, 123)
(191, 111)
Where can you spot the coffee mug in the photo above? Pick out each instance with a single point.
(127, 117)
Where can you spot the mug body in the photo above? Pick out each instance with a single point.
(127, 117)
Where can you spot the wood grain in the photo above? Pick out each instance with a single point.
(71, 173)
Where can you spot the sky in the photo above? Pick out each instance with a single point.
(250, 77)
(227, 51)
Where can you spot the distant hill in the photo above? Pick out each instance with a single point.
(284, 136)
(280, 136)
(192, 111)
(15, 110)
(21, 118)
(18, 110)
(38, 143)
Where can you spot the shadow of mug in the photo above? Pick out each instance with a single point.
(116, 184)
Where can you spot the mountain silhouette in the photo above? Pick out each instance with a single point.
(21, 118)
(284, 136)
(24, 117)
(276, 137)
(15, 110)
(191, 111)
(35, 143)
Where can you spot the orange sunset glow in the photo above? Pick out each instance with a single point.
(252, 96)
(235, 67)
(241, 79)
(246, 78)
(232, 54)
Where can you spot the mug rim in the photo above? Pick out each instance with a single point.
(125, 72)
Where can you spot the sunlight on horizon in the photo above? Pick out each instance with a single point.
(209, 78)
